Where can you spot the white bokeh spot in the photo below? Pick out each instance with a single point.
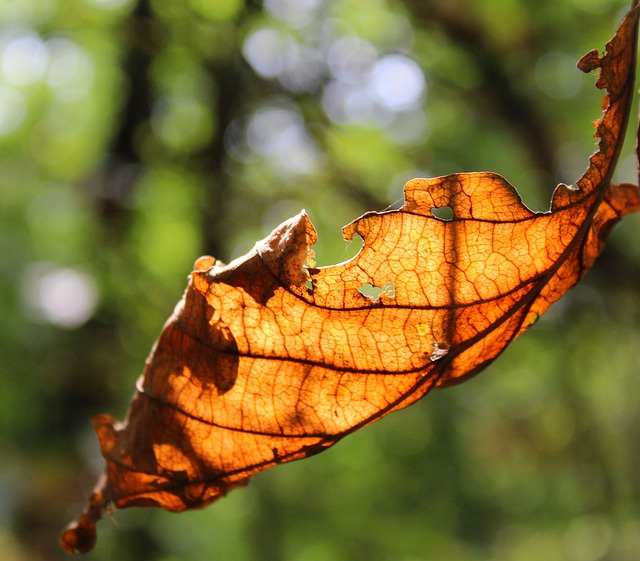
(397, 83)
(61, 296)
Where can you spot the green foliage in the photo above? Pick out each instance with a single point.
(136, 136)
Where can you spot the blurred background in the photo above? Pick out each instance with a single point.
(137, 135)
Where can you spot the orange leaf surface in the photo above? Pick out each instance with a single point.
(266, 360)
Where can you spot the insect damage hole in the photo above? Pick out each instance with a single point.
(375, 292)
(442, 212)
(309, 268)
(440, 350)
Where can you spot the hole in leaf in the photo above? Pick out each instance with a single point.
(442, 212)
(375, 292)
(439, 350)
(310, 262)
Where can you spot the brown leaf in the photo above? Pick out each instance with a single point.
(265, 361)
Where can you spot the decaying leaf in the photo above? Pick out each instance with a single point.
(258, 366)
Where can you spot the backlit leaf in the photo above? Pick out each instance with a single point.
(268, 360)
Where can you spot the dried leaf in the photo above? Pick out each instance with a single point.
(254, 368)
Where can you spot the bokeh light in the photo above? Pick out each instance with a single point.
(397, 83)
(557, 75)
(279, 134)
(297, 13)
(24, 57)
(59, 295)
(266, 50)
(70, 72)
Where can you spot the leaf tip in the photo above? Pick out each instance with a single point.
(204, 263)
(80, 535)
(286, 250)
